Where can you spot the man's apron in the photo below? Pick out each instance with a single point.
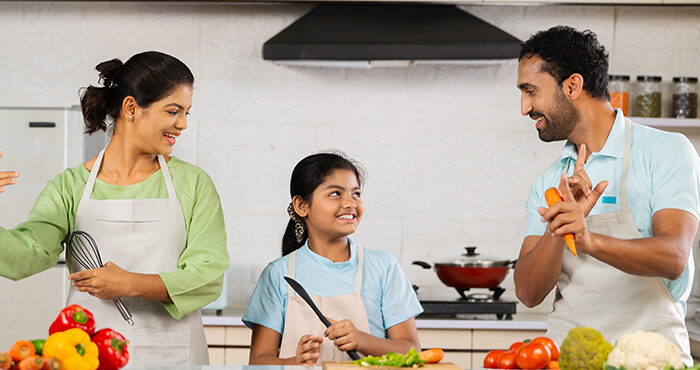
(300, 319)
(593, 294)
(142, 236)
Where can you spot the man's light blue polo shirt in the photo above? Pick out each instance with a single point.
(664, 172)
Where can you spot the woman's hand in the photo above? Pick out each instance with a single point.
(107, 282)
(308, 350)
(344, 335)
(7, 178)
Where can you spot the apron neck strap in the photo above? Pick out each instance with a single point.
(168, 179)
(291, 270)
(625, 162)
(93, 175)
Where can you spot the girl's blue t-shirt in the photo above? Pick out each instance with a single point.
(387, 294)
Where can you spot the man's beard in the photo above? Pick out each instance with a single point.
(563, 120)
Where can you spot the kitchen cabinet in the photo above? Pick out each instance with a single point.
(229, 345)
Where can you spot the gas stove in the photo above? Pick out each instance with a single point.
(470, 304)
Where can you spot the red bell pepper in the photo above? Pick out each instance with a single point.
(73, 316)
(113, 349)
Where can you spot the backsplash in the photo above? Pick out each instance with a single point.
(449, 158)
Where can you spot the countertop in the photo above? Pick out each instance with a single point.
(231, 316)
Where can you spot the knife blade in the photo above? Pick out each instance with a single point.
(305, 296)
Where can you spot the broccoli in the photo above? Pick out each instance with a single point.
(584, 348)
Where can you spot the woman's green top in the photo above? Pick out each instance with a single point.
(36, 245)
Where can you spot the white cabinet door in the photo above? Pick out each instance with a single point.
(33, 143)
(36, 152)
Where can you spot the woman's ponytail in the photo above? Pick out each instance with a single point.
(95, 101)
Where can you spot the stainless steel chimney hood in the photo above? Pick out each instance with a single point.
(393, 35)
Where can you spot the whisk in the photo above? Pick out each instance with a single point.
(83, 249)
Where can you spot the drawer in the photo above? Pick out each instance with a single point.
(460, 358)
(216, 356)
(236, 356)
(478, 360)
(502, 339)
(216, 335)
(445, 338)
(238, 336)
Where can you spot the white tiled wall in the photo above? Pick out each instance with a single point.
(449, 158)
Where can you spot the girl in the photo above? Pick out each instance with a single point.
(156, 219)
(364, 290)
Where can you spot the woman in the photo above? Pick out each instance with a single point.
(157, 220)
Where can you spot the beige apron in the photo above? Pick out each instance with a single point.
(300, 319)
(142, 236)
(593, 294)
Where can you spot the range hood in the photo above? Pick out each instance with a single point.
(394, 35)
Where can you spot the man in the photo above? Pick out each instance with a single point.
(633, 231)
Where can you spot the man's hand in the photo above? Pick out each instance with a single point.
(579, 182)
(344, 335)
(568, 216)
(308, 350)
(7, 178)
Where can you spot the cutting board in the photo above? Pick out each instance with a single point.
(330, 365)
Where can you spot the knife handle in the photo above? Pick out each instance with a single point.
(353, 355)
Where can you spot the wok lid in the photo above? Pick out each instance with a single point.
(474, 259)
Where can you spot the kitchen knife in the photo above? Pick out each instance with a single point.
(305, 296)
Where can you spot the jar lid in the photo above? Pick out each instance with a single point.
(685, 79)
(618, 77)
(649, 78)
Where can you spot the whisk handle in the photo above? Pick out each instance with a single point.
(123, 311)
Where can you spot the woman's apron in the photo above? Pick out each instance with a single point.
(142, 236)
(300, 319)
(593, 294)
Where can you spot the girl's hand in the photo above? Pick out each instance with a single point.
(7, 178)
(308, 350)
(344, 335)
(107, 282)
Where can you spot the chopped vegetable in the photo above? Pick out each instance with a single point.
(21, 350)
(644, 350)
(113, 349)
(51, 363)
(583, 348)
(552, 197)
(410, 359)
(73, 316)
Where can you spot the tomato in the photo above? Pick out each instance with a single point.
(515, 346)
(533, 356)
(551, 344)
(490, 361)
(553, 365)
(506, 360)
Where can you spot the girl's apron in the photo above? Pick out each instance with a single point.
(300, 319)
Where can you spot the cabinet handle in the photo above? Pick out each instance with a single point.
(42, 124)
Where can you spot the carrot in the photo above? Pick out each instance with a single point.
(51, 363)
(432, 356)
(552, 197)
(21, 350)
(5, 361)
(31, 363)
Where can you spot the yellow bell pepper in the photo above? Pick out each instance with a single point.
(73, 348)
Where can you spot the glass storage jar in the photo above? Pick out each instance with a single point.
(618, 85)
(685, 97)
(648, 101)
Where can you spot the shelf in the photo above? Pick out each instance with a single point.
(668, 122)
